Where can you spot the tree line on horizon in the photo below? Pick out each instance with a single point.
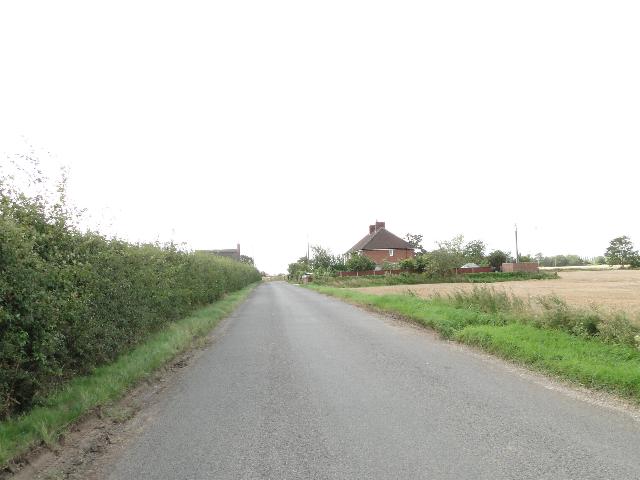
(454, 253)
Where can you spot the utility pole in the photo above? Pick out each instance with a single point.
(517, 255)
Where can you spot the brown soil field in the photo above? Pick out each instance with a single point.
(614, 289)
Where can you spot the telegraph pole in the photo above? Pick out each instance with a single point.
(517, 255)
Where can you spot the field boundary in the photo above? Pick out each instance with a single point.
(109, 383)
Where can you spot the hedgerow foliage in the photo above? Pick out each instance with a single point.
(72, 300)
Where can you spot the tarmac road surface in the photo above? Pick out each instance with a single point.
(302, 386)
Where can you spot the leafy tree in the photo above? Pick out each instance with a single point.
(415, 241)
(497, 258)
(324, 262)
(560, 260)
(422, 262)
(321, 260)
(299, 268)
(359, 263)
(452, 250)
(441, 262)
(246, 259)
(526, 258)
(600, 260)
(408, 264)
(474, 252)
(419, 263)
(621, 252)
(339, 263)
(453, 246)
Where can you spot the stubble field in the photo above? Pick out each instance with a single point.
(614, 289)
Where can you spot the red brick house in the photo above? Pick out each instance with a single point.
(383, 246)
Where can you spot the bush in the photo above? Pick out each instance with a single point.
(70, 301)
(497, 258)
(554, 313)
(408, 264)
(618, 329)
(486, 300)
(359, 263)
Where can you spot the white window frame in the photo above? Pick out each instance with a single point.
(391, 252)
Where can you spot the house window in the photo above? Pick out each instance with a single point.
(391, 252)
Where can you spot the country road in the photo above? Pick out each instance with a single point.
(302, 386)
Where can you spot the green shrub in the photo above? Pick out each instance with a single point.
(618, 329)
(359, 263)
(408, 264)
(70, 300)
(487, 300)
(390, 265)
(554, 313)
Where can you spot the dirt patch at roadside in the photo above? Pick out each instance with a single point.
(615, 290)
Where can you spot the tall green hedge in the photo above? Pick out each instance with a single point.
(71, 300)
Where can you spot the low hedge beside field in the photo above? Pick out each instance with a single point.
(71, 301)
(597, 350)
(423, 278)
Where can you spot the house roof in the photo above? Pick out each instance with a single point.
(379, 240)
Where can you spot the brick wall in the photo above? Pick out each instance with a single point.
(381, 256)
(368, 273)
(520, 267)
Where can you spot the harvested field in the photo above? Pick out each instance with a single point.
(613, 289)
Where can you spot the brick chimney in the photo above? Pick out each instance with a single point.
(374, 228)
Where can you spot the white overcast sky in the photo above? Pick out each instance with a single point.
(267, 123)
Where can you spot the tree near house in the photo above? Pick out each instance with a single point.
(415, 241)
(474, 252)
(359, 263)
(497, 258)
(246, 259)
(453, 247)
(298, 268)
(323, 261)
(621, 252)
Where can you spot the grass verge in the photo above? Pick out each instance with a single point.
(591, 363)
(110, 382)
(423, 278)
(512, 332)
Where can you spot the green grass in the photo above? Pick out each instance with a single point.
(507, 328)
(422, 278)
(108, 383)
(591, 363)
(436, 313)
